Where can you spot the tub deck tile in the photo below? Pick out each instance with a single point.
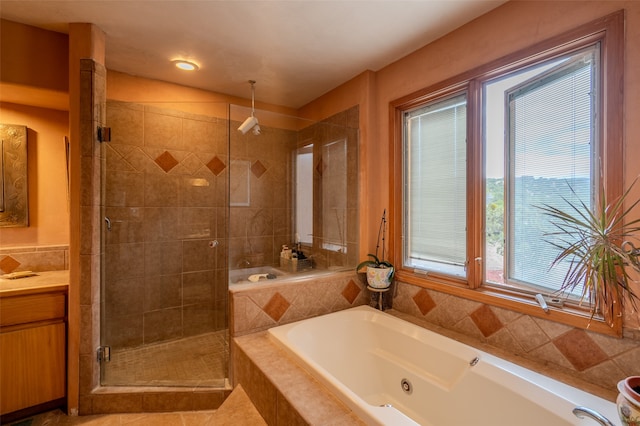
(296, 390)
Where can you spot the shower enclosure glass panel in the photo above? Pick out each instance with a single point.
(164, 282)
(334, 196)
(295, 184)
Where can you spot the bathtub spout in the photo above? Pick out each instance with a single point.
(582, 412)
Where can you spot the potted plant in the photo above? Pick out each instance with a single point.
(628, 401)
(597, 244)
(379, 271)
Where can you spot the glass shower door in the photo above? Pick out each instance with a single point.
(164, 277)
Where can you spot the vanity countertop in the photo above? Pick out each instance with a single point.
(38, 283)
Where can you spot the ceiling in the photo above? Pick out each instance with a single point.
(295, 50)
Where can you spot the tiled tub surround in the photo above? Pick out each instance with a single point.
(281, 390)
(36, 259)
(590, 361)
(261, 306)
(363, 354)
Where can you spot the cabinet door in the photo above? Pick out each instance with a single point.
(32, 366)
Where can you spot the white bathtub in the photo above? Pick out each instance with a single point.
(366, 357)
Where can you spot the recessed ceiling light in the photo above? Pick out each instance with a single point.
(186, 65)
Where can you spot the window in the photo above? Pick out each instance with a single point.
(435, 185)
(304, 194)
(481, 152)
(539, 137)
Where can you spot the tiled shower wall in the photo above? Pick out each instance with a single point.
(260, 195)
(165, 197)
(262, 204)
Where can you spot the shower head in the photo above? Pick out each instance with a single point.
(251, 122)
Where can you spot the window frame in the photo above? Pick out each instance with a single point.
(609, 32)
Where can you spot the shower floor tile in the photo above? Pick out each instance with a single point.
(199, 361)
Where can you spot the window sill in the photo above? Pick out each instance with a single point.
(510, 300)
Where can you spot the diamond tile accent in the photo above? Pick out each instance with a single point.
(216, 165)
(166, 161)
(486, 321)
(276, 307)
(351, 291)
(581, 351)
(424, 302)
(258, 169)
(8, 264)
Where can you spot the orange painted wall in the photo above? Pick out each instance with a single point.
(128, 88)
(32, 56)
(46, 163)
(34, 80)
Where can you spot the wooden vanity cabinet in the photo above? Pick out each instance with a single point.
(32, 350)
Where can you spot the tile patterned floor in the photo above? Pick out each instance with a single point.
(193, 361)
(58, 418)
(237, 410)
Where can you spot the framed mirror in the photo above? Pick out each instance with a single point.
(14, 205)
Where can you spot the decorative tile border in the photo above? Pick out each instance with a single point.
(37, 259)
(594, 358)
(257, 307)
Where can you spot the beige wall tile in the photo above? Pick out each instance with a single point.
(162, 130)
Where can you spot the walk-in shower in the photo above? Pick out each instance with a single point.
(164, 292)
(187, 197)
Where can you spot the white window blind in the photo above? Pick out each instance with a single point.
(435, 185)
(551, 153)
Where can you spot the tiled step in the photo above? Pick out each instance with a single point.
(238, 409)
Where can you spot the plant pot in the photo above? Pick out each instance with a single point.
(379, 277)
(628, 401)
